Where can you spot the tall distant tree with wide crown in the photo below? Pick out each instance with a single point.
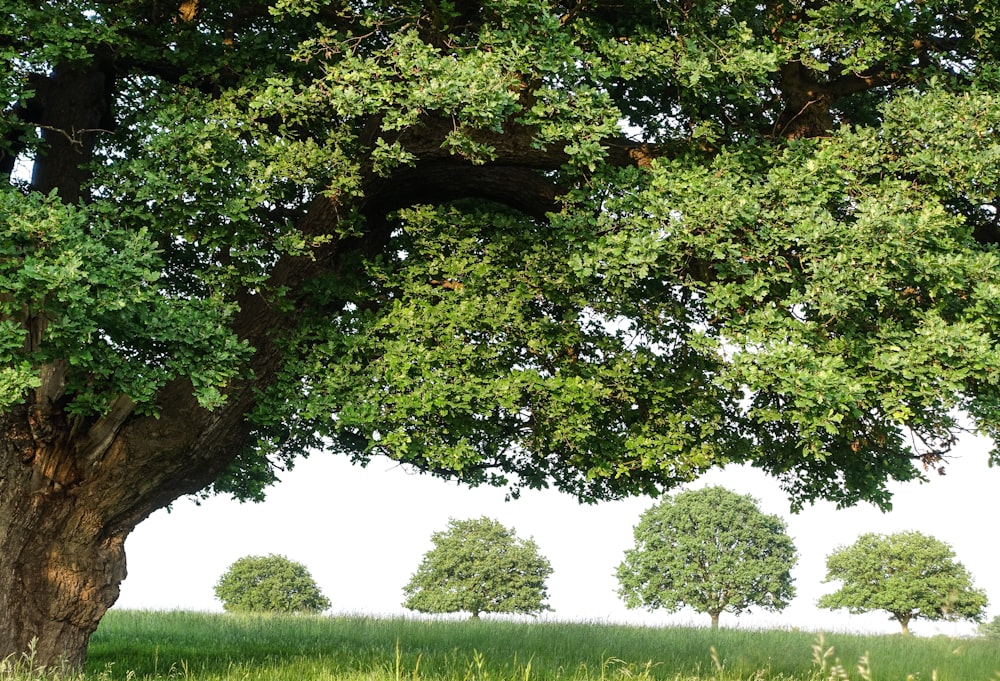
(712, 550)
(910, 575)
(600, 246)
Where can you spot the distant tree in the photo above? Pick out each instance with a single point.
(479, 566)
(908, 574)
(990, 629)
(710, 549)
(269, 584)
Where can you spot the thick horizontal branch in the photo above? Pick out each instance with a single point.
(522, 189)
(515, 145)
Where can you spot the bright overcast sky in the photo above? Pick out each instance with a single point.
(362, 533)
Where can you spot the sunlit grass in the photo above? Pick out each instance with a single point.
(209, 647)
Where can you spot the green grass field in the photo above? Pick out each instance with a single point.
(209, 647)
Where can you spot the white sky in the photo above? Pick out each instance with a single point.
(362, 533)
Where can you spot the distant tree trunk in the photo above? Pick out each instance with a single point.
(715, 618)
(904, 622)
(475, 615)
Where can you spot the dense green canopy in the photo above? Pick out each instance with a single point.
(795, 267)
(593, 244)
(269, 583)
(712, 550)
(910, 575)
(479, 566)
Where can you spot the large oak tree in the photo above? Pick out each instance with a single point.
(592, 244)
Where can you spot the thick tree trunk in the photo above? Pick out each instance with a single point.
(70, 493)
(73, 488)
(715, 619)
(63, 562)
(63, 565)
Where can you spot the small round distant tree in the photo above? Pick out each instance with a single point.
(479, 566)
(908, 574)
(712, 550)
(991, 629)
(269, 584)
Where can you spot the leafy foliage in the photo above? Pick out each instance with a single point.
(99, 288)
(479, 566)
(712, 550)
(834, 279)
(908, 574)
(269, 583)
(990, 629)
(791, 269)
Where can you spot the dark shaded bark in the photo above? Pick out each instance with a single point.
(73, 106)
(522, 189)
(807, 104)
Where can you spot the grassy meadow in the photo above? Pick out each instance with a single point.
(141, 646)
(209, 647)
